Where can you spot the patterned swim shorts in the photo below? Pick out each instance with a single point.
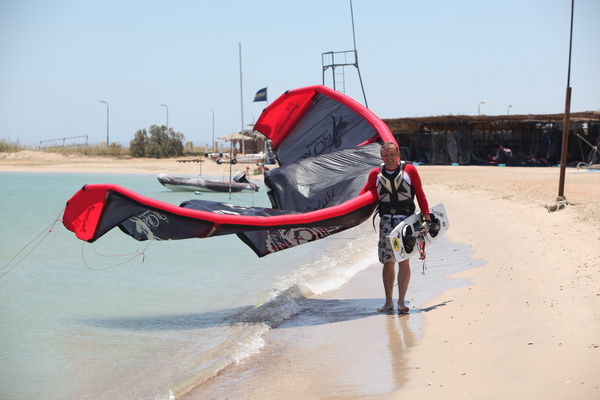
(386, 226)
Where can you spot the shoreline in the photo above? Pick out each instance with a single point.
(341, 346)
(36, 161)
(524, 324)
(527, 324)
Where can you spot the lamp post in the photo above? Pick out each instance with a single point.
(508, 109)
(164, 105)
(213, 130)
(107, 115)
(479, 106)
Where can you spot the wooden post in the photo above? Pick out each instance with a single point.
(566, 121)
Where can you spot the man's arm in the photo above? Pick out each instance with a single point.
(415, 180)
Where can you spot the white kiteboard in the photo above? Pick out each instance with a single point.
(406, 237)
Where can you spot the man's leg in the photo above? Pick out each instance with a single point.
(389, 276)
(403, 281)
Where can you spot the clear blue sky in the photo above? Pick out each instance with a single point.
(59, 58)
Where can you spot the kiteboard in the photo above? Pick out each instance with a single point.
(410, 238)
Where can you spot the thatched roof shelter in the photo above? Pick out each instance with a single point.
(483, 139)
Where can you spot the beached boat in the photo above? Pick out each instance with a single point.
(221, 158)
(186, 184)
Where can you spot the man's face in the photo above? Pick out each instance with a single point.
(390, 156)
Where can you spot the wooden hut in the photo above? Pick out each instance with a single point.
(502, 139)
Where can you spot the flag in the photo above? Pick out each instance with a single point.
(261, 95)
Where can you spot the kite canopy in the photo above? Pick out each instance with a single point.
(316, 120)
(325, 144)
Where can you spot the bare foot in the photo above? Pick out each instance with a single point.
(386, 308)
(402, 309)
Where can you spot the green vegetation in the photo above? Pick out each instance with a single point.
(158, 143)
(114, 150)
(10, 147)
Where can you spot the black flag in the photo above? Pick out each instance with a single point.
(261, 95)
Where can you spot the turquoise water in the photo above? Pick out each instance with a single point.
(148, 320)
(80, 321)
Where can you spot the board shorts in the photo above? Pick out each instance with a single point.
(387, 223)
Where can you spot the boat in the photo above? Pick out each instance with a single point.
(221, 158)
(239, 183)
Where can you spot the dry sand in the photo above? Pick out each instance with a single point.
(32, 161)
(528, 325)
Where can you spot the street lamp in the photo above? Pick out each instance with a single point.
(213, 140)
(479, 106)
(164, 105)
(508, 109)
(107, 143)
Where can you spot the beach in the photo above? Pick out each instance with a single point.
(525, 322)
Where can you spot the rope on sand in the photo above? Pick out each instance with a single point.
(561, 202)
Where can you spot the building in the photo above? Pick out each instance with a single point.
(502, 139)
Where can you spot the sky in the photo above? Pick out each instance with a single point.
(61, 58)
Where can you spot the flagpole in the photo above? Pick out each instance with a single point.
(242, 100)
(356, 56)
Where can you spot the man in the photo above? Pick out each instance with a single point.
(397, 184)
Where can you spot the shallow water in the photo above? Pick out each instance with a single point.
(127, 319)
(81, 321)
